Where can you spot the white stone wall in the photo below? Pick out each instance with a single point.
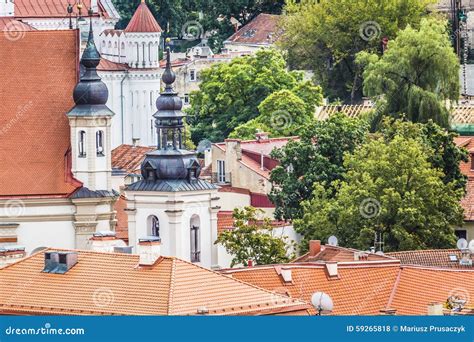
(174, 212)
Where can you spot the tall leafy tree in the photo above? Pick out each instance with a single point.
(253, 239)
(230, 93)
(316, 157)
(326, 35)
(417, 75)
(390, 189)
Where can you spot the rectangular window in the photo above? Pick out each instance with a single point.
(82, 144)
(461, 233)
(221, 171)
(195, 252)
(192, 75)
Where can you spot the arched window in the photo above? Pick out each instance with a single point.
(99, 143)
(195, 239)
(153, 226)
(82, 144)
(110, 44)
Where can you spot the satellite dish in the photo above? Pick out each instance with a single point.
(462, 243)
(322, 302)
(471, 246)
(332, 240)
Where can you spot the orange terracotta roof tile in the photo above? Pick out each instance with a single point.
(366, 288)
(359, 290)
(52, 8)
(114, 284)
(262, 30)
(225, 221)
(418, 287)
(129, 158)
(143, 20)
(340, 254)
(448, 258)
(106, 65)
(41, 69)
(9, 24)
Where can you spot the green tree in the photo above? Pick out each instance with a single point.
(253, 239)
(325, 36)
(230, 93)
(316, 157)
(417, 75)
(391, 189)
(283, 113)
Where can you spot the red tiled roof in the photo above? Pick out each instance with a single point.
(121, 228)
(262, 30)
(41, 70)
(433, 257)
(366, 288)
(114, 284)
(359, 290)
(143, 20)
(51, 8)
(129, 158)
(106, 65)
(418, 287)
(339, 254)
(11, 25)
(225, 221)
(468, 201)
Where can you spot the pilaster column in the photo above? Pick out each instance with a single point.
(175, 217)
(214, 251)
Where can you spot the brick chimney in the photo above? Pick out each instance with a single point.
(234, 148)
(105, 241)
(262, 136)
(314, 247)
(149, 249)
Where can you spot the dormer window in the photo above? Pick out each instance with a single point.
(99, 142)
(82, 144)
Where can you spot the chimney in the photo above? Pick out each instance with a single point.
(388, 312)
(149, 249)
(233, 146)
(435, 309)
(104, 241)
(59, 262)
(314, 247)
(10, 254)
(136, 142)
(286, 275)
(250, 263)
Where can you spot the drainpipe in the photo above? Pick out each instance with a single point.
(121, 105)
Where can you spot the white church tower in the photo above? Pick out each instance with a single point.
(90, 122)
(171, 202)
(7, 8)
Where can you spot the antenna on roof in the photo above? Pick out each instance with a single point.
(332, 240)
(462, 244)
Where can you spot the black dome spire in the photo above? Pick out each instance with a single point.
(90, 94)
(170, 161)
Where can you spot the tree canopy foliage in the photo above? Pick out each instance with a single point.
(325, 36)
(232, 94)
(253, 239)
(417, 74)
(316, 157)
(390, 188)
